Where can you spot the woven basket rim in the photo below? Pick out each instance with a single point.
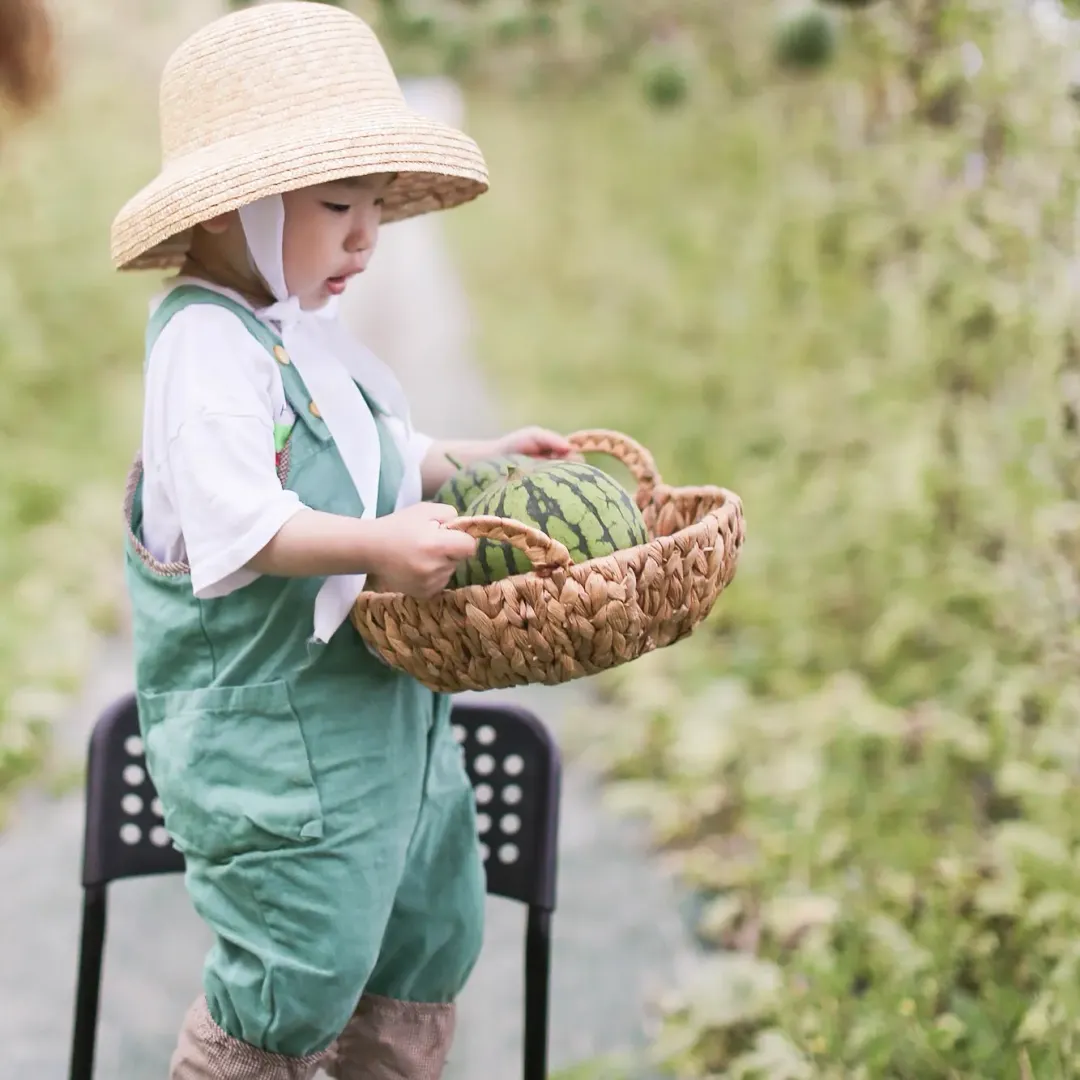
(730, 506)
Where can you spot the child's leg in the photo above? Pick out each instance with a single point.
(299, 926)
(405, 1022)
(205, 1052)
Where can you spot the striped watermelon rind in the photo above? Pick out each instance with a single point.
(578, 504)
(472, 480)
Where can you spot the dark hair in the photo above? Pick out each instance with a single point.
(26, 54)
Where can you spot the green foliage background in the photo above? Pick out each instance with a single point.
(70, 328)
(825, 256)
(848, 293)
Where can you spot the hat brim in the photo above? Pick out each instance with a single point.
(438, 167)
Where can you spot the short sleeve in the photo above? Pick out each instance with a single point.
(212, 395)
(419, 445)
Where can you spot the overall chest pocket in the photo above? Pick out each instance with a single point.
(232, 769)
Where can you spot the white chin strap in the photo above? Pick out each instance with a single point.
(264, 230)
(331, 362)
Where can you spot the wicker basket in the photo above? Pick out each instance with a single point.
(561, 621)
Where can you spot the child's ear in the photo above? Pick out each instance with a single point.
(217, 225)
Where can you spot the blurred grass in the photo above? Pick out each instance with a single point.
(851, 342)
(70, 358)
(866, 763)
(654, 283)
(597, 262)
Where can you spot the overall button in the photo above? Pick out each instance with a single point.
(281, 356)
(314, 410)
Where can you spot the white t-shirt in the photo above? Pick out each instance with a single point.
(211, 493)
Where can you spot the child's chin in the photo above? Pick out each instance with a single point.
(316, 299)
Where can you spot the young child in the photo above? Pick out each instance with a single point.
(317, 794)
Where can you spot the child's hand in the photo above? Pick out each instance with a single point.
(413, 554)
(534, 441)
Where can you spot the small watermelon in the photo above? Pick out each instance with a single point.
(470, 481)
(578, 504)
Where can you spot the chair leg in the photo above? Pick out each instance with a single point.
(87, 992)
(537, 993)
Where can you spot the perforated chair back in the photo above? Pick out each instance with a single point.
(125, 835)
(515, 769)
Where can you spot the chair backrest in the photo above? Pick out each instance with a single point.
(125, 834)
(515, 770)
(511, 758)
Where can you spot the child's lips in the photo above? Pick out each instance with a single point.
(336, 285)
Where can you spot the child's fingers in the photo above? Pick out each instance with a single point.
(440, 512)
(456, 545)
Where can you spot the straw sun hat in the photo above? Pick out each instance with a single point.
(281, 96)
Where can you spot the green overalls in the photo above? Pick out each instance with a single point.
(319, 796)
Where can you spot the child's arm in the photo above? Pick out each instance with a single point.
(407, 551)
(437, 467)
(211, 485)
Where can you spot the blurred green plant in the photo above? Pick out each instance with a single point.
(542, 45)
(850, 297)
(602, 1069)
(805, 38)
(70, 355)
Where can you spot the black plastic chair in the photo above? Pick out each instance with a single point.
(515, 770)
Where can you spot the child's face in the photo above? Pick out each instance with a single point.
(330, 234)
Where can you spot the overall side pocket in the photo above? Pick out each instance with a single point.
(232, 769)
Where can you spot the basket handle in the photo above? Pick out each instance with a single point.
(544, 552)
(621, 447)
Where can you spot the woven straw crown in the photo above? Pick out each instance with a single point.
(277, 97)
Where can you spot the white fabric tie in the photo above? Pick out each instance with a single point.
(331, 362)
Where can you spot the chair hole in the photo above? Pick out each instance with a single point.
(159, 837)
(133, 746)
(485, 735)
(484, 764)
(514, 765)
(483, 823)
(511, 794)
(485, 852)
(459, 733)
(484, 794)
(157, 809)
(132, 804)
(508, 854)
(510, 824)
(130, 833)
(134, 775)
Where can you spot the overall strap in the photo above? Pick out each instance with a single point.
(185, 295)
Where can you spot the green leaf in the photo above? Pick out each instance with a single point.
(730, 989)
(1018, 842)
(773, 1057)
(902, 951)
(788, 917)
(719, 916)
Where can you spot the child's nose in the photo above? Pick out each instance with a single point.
(363, 233)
